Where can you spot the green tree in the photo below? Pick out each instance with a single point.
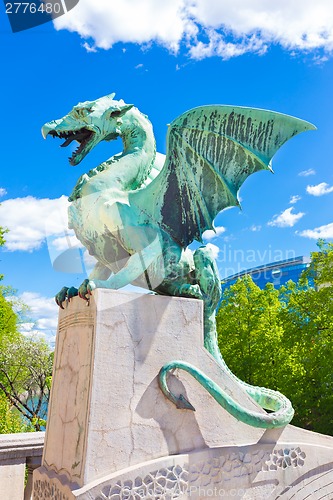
(8, 323)
(307, 319)
(25, 378)
(25, 368)
(321, 267)
(250, 334)
(281, 339)
(2, 242)
(11, 421)
(3, 231)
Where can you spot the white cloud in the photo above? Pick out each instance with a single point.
(229, 238)
(217, 46)
(3, 192)
(319, 189)
(214, 250)
(286, 218)
(30, 220)
(210, 234)
(89, 261)
(228, 29)
(294, 199)
(306, 173)
(323, 232)
(43, 314)
(63, 243)
(255, 228)
(139, 22)
(88, 47)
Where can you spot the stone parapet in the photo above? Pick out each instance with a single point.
(18, 451)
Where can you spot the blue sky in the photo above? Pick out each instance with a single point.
(165, 57)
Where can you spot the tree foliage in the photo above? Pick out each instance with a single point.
(25, 368)
(250, 335)
(25, 371)
(321, 268)
(281, 339)
(8, 323)
(2, 242)
(11, 421)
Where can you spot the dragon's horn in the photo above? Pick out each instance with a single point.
(121, 110)
(125, 108)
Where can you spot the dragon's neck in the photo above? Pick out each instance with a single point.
(125, 171)
(139, 152)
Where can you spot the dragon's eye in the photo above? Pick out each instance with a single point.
(116, 113)
(82, 112)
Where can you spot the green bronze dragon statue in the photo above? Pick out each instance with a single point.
(138, 211)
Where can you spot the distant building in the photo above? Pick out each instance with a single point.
(278, 273)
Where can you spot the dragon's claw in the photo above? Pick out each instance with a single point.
(63, 295)
(71, 292)
(66, 294)
(191, 291)
(85, 289)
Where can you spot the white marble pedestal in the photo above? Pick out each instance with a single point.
(112, 434)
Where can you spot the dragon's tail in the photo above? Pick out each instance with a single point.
(266, 398)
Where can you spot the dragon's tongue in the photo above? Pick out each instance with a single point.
(76, 136)
(68, 141)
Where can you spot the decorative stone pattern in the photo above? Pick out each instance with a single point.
(221, 470)
(78, 318)
(283, 458)
(245, 473)
(45, 490)
(172, 482)
(164, 484)
(314, 484)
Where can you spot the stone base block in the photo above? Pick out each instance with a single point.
(110, 429)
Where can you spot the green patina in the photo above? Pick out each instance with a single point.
(138, 211)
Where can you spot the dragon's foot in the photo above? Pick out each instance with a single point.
(190, 291)
(207, 275)
(65, 294)
(85, 289)
(179, 289)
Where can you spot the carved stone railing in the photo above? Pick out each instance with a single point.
(18, 452)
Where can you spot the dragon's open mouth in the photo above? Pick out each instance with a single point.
(83, 136)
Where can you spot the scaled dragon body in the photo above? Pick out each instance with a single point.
(137, 212)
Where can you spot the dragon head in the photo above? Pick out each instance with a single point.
(88, 123)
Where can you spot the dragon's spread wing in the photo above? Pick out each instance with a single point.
(211, 150)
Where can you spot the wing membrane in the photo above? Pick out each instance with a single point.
(211, 150)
